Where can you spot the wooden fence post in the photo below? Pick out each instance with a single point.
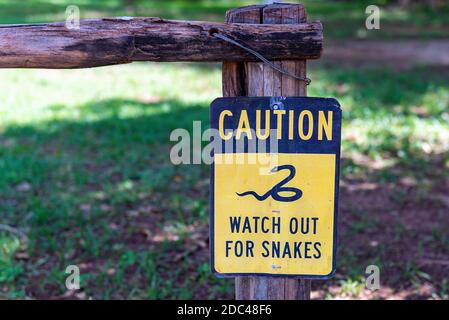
(257, 79)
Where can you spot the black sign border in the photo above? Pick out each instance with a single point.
(323, 101)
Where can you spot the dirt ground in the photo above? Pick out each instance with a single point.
(400, 234)
(402, 226)
(399, 54)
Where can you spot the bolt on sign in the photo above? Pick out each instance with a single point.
(274, 186)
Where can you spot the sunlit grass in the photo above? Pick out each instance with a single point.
(9, 269)
(341, 19)
(84, 153)
(47, 95)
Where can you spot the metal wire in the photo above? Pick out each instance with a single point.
(258, 55)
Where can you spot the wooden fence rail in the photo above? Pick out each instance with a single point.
(109, 41)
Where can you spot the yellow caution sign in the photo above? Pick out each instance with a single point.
(274, 186)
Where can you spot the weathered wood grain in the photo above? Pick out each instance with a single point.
(110, 41)
(257, 79)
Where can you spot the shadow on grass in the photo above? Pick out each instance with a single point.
(29, 11)
(96, 190)
(383, 92)
(100, 191)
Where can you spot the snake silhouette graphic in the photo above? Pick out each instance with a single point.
(278, 188)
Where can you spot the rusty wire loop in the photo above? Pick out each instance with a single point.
(258, 55)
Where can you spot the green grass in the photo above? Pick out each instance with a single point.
(9, 270)
(346, 19)
(341, 20)
(92, 147)
(31, 11)
(86, 171)
(86, 175)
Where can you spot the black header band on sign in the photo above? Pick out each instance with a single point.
(301, 135)
(305, 121)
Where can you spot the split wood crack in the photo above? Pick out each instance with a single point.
(110, 41)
